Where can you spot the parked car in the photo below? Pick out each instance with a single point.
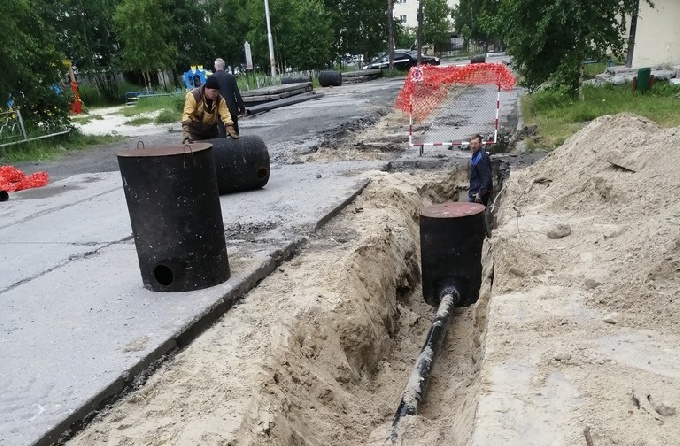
(403, 60)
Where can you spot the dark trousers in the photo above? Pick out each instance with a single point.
(488, 216)
(200, 131)
(222, 131)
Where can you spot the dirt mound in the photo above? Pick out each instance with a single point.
(382, 141)
(587, 253)
(618, 179)
(614, 162)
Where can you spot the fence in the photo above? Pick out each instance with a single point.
(11, 127)
(452, 103)
(13, 131)
(464, 110)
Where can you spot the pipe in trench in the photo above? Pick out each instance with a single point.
(420, 376)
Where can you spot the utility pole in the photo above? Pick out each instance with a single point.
(390, 33)
(272, 61)
(631, 34)
(420, 31)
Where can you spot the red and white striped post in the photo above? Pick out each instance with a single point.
(498, 107)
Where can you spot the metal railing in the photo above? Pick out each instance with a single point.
(13, 131)
(11, 126)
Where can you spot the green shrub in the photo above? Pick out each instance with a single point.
(178, 103)
(168, 116)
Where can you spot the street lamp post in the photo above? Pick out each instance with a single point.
(272, 61)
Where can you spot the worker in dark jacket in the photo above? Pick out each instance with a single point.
(230, 93)
(204, 107)
(481, 184)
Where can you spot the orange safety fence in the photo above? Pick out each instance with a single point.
(426, 85)
(13, 179)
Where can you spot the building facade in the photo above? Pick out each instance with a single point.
(406, 11)
(657, 39)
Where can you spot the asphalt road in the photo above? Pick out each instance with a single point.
(286, 130)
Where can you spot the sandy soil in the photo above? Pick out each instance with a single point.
(110, 121)
(319, 352)
(588, 249)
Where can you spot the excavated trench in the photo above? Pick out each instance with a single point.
(319, 352)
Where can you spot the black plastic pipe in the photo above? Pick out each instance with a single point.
(420, 376)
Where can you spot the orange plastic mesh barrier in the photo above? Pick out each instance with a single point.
(427, 85)
(12, 179)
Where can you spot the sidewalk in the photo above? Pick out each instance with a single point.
(77, 325)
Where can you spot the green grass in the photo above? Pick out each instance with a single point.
(52, 148)
(168, 116)
(558, 115)
(85, 118)
(154, 103)
(591, 70)
(140, 120)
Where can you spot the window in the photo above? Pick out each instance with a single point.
(402, 1)
(402, 18)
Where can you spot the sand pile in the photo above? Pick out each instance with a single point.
(586, 288)
(616, 186)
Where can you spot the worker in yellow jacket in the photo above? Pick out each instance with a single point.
(203, 106)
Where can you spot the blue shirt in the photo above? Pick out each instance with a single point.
(480, 175)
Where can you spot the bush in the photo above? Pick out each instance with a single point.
(167, 116)
(45, 109)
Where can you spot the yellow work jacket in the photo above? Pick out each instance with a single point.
(196, 109)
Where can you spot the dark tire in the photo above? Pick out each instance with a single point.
(296, 79)
(330, 78)
(241, 164)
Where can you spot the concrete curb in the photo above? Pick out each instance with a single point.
(171, 325)
(136, 375)
(144, 368)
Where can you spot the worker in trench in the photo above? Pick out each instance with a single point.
(481, 179)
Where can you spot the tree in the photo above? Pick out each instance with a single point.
(632, 32)
(144, 29)
(227, 29)
(301, 51)
(87, 36)
(359, 26)
(405, 36)
(301, 30)
(471, 18)
(550, 40)
(436, 24)
(31, 65)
